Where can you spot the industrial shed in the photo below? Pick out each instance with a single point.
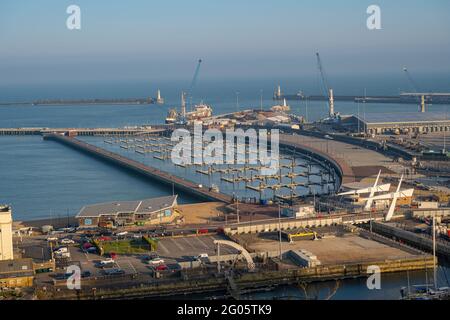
(405, 122)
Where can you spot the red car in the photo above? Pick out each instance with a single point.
(113, 255)
(103, 238)
(203, 231)
(87, 245)
(161, 267)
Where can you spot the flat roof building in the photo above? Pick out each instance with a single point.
(16, 273)
(405, 122)
(119, 213)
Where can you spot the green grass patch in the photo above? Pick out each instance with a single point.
(135, 246)
(153, 243)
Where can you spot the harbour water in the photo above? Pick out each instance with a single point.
(348, 289)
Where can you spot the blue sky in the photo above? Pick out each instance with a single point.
(161, 39)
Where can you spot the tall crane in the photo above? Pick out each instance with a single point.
(194, 82)
(411, 80)
(328, 92)
(415, 89)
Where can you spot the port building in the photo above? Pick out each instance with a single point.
(408, 122)
(120, 213)
(6, 242)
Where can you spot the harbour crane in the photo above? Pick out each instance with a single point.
(328, 92)
(411, 80)
(194, 81)
(415, 89)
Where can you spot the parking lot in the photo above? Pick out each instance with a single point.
(171, 250)
(184, 249)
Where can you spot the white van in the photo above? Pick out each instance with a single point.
(107, 262)
(63, 255)
(202, 256)
(61, 250)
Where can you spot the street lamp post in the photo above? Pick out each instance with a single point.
(279, 229)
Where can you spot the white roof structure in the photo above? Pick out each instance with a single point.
(372, 191)
(146, 206)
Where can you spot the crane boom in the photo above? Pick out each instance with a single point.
(416, 90)
(411, 80)
(326, 88)
(194, 78)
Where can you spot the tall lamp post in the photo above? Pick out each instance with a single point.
(279, 229)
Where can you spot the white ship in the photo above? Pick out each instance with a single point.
(200, 111)
(281, 108)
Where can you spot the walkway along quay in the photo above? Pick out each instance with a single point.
(180, 184)
(84, 131)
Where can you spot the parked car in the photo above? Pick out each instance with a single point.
(87, 245)
(67, 241)
(105, 263)
(62, 255)
(203, 231)
(122, 234)
(156, 261)
(104, 238)
(151, 255)
(113, 255)
(86, 274)
(113, 272)
(161, 267)
(201, 256)
(52, 239)
(61, 250)
(91, 250)
(63, 276)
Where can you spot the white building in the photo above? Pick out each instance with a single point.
(6, 242)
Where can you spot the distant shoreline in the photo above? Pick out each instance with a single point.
(58, 102)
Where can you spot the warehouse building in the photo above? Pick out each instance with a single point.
(396, 123)
(120, 213)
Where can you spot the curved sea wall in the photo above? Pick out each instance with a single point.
(342, 168)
